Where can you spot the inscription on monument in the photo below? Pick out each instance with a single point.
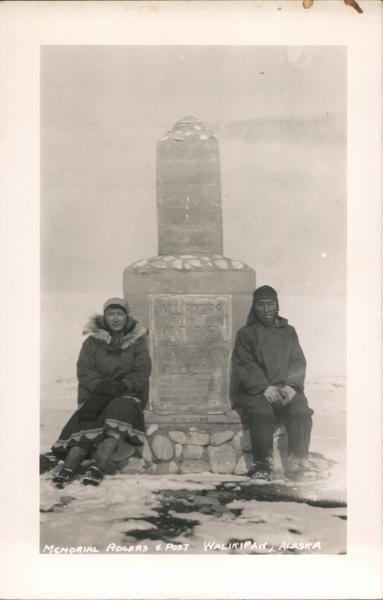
(190, 345)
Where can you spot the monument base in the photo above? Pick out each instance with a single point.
(203, 443)
(193, 306)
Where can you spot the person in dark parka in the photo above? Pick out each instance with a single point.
(113, 371)
(268, 373)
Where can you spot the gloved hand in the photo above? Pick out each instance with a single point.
(119, 387)
(105, 387)
(273, 395)
(288, 394)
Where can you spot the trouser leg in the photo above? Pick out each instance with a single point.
(73, 460)
(260, 419)
(104, 452)
(75, 457)
(298, 427)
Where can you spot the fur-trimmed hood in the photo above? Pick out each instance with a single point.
(96, 328)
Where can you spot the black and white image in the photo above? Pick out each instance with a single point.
(193, 299)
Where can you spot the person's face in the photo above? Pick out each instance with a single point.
(115, 318)
(266, 311)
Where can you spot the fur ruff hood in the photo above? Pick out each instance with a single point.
(96, 329)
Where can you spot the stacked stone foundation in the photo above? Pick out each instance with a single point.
(181, 446)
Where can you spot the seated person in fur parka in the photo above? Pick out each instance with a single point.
(113, 381)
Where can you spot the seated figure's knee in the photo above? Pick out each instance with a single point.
(298, 407)
(260, 410)
(121, 402)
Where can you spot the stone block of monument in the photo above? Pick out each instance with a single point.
(189, 191)
(193, 299)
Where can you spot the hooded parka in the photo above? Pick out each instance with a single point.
(98, 361)
(124, 366)
(265, 356)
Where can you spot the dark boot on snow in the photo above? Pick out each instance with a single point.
(63, 478)
(93, 476)
(73, 460)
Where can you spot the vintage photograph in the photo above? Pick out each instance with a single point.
(193, 236)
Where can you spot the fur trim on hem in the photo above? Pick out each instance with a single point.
(96, 328)
(89, 434)
(125, 428)
(94, 435)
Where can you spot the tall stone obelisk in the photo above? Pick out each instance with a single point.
(189, 191)
(191, 297)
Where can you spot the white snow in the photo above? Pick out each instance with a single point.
(87, 516)
(90, 516)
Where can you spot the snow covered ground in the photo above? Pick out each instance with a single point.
(201, 513)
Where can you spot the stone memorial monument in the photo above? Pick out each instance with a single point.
(193, 300)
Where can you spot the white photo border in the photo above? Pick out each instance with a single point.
(24, 28)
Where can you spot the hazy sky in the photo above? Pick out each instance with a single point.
(279, 115)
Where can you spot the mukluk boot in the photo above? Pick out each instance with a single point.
(73, 460)
(261, 470)
(103, 463)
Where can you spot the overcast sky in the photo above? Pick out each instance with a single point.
(280, 118)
